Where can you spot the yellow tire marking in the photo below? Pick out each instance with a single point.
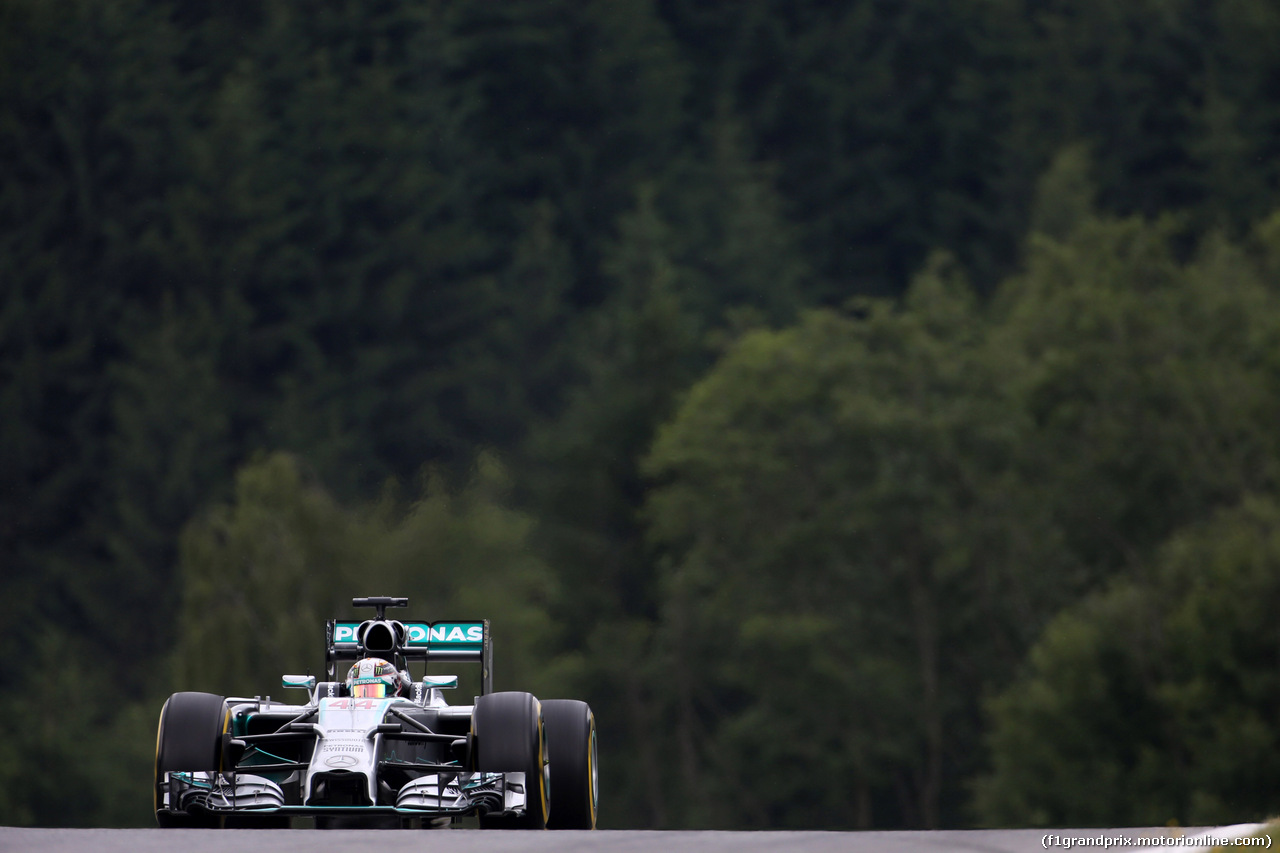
(155, 789)
(226, 722)
(542, 764)
(591, 774)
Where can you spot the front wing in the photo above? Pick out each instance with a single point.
(433, 795)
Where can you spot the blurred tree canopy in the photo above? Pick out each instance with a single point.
(845, 523)
(1156, 697)
(856, 372)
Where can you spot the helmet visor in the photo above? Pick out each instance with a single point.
(369, 690)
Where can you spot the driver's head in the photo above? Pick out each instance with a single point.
(373, 678)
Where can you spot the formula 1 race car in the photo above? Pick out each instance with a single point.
(379, 749)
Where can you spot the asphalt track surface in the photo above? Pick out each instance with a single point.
(606, 841)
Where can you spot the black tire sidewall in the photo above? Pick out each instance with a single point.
(189, 738)
(570, 733)
(508, 736)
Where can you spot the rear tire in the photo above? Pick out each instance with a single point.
(509, 737)
(189, 738)
(571, 750)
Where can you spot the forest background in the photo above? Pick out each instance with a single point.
(870, 408)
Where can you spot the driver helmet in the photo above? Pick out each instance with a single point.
(373, 678)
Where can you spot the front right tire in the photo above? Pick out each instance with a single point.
(189, 739)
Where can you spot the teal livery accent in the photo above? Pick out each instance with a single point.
(462, 636)
(447, 634)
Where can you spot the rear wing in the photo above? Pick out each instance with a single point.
(466, 642)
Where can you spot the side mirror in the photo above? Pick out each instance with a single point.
(301, 682)
(440, 682)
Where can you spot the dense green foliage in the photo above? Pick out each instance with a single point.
(885, 508)
(869, 408)
(844, 512)
(1156, 697)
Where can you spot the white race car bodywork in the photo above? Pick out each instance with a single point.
(409, 759)
(352, 746)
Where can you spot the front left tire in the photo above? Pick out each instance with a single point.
(571, 753)
(509, 736)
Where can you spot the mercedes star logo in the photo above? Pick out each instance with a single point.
(342, 761)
